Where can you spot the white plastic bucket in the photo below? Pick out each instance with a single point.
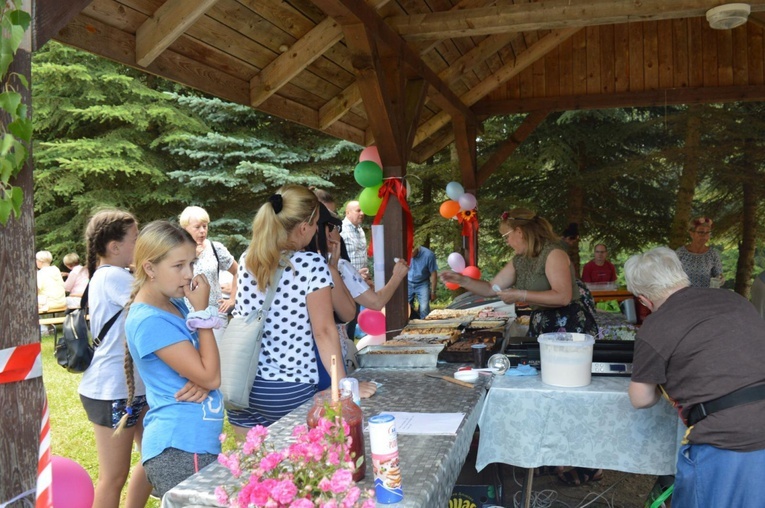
(566, 358)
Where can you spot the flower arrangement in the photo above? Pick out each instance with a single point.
(314, 471)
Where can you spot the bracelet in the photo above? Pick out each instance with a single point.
(525, 295)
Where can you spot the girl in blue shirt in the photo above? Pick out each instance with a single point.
(180, 437)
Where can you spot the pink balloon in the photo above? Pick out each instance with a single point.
(456, 262)
(72, 486)
(372, 322)
(467, 201)
(370, 153)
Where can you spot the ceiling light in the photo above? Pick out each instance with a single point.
(728, 16)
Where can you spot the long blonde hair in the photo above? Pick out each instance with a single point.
(289, 207)
(154, 242)
(536, 230)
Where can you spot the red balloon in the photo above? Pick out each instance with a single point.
(451, 285)
(449, 209)
(370, 153)
(372, 322)
(472, 271)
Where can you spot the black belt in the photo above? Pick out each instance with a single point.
(738, 398)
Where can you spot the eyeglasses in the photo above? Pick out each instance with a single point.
(600, 252)
(333, 227)
(506, 234)
(703, 233)
(310, 218)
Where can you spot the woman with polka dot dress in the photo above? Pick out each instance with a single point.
(300, 314)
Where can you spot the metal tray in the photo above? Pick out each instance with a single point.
(467, 356)
(397, 357)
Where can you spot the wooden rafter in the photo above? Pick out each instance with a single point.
(293, 61)
(350, 12)
(50, 16)
(85, 32)
(351, 97)
(649, 98)
(465, 142)
(168, 23)
(511, 144)
(528, 57)
(550, 15)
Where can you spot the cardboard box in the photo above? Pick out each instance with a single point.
(472, 496)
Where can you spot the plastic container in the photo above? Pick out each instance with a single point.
(383, 442)
(566, 359)
(629, 311)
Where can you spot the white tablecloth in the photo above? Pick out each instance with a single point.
(529, 424)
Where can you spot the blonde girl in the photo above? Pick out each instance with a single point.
(110, 237)
(170, 347)
(301, 313)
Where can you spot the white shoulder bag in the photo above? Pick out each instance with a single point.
(240, 352)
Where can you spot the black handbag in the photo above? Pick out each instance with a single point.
(74, 349)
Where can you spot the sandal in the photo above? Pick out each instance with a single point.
(580, 476)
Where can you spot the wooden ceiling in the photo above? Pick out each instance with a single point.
(477, 58)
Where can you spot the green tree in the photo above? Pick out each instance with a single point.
(100, 129)
(245, 155)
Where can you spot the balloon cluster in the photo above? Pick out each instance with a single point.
(457, 263)
(459, 200)
(369, 174)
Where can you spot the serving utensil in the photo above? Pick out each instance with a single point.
(451, 380)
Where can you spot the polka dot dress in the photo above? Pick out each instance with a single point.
(286, 352)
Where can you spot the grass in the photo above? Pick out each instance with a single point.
(71, 432)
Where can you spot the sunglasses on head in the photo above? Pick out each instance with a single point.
(506, 216)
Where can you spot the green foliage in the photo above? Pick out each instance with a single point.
(16, 131)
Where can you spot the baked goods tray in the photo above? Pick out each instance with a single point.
(438, 323)
(453, 353)
(400, 357)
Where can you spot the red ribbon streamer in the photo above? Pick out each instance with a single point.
(394, 187)
(469, 221)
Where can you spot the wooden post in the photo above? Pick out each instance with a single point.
(22, 401)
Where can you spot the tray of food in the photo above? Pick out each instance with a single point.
(406, 340)
(447, 333)
(487, 323)
(440, 323)
(451, 314)
(461, 350)
(400, 357)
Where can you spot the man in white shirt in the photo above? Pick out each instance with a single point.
(354, 237)
(356, 243)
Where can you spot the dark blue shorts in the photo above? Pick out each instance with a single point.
(269, 401)
(108, 413)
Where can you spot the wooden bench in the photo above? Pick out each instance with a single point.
(55, 321)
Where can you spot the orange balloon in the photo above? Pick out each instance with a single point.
(451, 285)
(472, 271)
(449, 209)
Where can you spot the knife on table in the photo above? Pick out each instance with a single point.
(451, 380)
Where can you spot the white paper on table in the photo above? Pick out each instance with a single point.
(426, 423)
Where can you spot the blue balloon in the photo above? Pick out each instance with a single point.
(454, 190)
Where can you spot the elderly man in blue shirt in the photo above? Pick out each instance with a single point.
(423, 275)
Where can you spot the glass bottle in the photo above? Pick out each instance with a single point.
(353, 416)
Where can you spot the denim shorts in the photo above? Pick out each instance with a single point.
(108, 413)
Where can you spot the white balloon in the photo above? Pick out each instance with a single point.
(454, 190)
(456, 262)
(467, 201)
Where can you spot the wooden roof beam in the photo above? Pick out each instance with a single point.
(522, 61)
(86, 33)
(648, 98)
(293, 61)
(50, 16)
(351, 12)
(339, 105)
(511, 144)
(168, 23)
(546, 15)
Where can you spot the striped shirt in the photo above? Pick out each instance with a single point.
(356, 243)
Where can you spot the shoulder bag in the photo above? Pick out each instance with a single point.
(74, 350)
(240, 352)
